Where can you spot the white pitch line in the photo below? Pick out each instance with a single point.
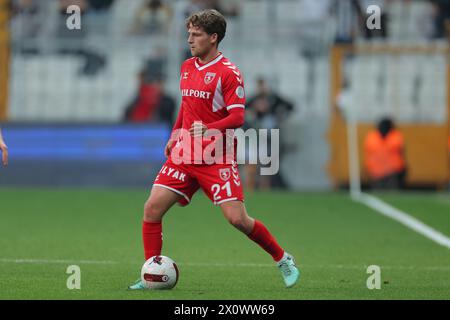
(50, 261)
(231, 265)
(402, 217)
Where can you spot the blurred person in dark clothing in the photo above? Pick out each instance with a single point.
(384, 151)
(441, 17)
(265, 110)
(267, 106)
(151, 103)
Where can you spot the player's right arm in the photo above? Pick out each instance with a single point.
(178, 123)
(4, 150)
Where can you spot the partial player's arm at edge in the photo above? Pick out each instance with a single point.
(4, 149)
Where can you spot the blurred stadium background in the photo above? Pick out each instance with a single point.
(56, 81)
(66, 97)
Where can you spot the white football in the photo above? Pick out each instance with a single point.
(159, 272)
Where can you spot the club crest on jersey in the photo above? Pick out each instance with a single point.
(209, 77)
(224, 174)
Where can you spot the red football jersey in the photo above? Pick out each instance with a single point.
(209, 91)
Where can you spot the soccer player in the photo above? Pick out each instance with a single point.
(4, 149)
(213, 97)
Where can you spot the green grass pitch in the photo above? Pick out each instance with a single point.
(334, 240)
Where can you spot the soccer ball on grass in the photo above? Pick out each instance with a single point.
(159, 272)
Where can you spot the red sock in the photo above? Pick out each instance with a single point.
(152, 238)
(262, 236)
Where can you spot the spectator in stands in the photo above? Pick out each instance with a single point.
(151, 103)
(384, 153)
(3, 149)
(143, 106)
(265, 110)
(441, 10)
(154, 16)
(165, 108)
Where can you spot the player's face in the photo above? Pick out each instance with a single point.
(200, 42)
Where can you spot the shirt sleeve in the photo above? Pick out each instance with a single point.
(234, 120)
(233, 89)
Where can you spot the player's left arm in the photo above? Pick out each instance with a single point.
(235, 119)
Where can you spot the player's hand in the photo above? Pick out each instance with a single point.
(197, 129)
(168, 148)
(4, 149)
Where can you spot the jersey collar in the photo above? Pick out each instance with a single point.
(200, 68)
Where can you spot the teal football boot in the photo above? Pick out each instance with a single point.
(138, 285)
(288, 270)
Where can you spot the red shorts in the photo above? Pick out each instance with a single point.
(220, 182)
